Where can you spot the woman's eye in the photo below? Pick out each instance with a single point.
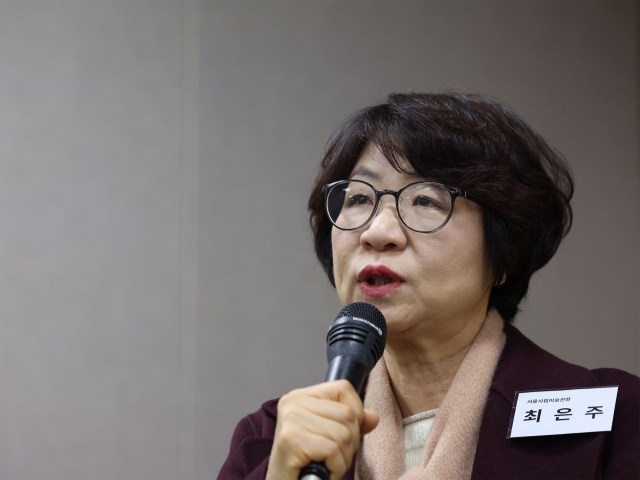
(360, 200)
(422, 201)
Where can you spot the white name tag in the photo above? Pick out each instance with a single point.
(556, 412)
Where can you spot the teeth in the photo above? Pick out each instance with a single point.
(379, 280)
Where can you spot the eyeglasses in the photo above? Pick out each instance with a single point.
(423, 207)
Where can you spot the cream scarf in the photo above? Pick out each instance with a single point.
(451, 446)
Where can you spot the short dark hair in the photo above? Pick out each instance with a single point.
(475, 144)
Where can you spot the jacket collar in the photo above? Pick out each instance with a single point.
(525, 366)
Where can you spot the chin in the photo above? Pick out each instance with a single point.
(400, 331)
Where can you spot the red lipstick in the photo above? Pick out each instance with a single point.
(378, 280)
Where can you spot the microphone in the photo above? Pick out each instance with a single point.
(355, 343)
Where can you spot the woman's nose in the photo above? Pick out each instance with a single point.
(386, 230)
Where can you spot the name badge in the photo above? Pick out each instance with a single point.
(557, 412)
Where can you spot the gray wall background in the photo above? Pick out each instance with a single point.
(157, 280)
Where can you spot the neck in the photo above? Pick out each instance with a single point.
(421, 368)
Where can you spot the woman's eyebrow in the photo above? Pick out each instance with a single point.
(365, 172)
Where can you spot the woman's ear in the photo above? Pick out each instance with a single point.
(501, 282)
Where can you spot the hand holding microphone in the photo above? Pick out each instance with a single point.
(319, 427)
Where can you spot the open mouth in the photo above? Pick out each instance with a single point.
(376, 275)
(379, 280)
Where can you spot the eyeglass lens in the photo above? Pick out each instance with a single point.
(422, 206)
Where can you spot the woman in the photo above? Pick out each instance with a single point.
(437, 209)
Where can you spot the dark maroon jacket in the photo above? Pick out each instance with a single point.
(522, 366)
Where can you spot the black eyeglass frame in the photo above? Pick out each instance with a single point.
(453, 193)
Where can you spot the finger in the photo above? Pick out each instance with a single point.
(346, 393)
(370, 421)
(336, 390)
(339, 391)
(333, 400)
(345, 436)
(305, 447)
(335, 460)
(330, 409)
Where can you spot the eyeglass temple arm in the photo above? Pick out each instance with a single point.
(464, 194)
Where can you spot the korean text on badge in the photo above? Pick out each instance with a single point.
(559, 412)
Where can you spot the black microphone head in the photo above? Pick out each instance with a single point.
(365, 311)
(360, 332)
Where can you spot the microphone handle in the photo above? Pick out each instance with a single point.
(340, 368)
(343, 367)
(315, 471)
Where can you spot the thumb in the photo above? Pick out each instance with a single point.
(370, 421)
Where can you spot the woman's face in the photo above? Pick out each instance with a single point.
(421, 282)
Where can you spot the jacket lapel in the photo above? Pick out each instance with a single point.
(524, 366)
